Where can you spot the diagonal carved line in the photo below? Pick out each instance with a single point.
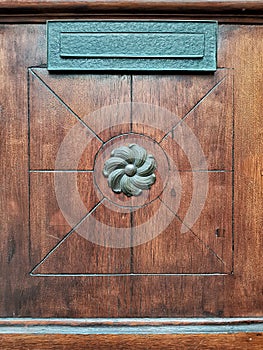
(125, 274)
(59, 171)
(194, 234)
(65, 237)
(193, 108)
(65, 105)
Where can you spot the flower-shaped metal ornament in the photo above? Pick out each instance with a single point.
(130, 170)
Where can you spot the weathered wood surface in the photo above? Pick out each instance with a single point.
(248, 145)
(183, 6)
(239, 294)
(131, 295)
(35, 11)
(241, 341)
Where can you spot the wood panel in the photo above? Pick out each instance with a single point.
(35, 11)
(194, 127)
(201, 102)
(14, 244)
(180, 292)
(65, 116)
(248, 195)
(220, 7)
(22, 294)
(51, 123)
(101, 102)
(241, 293)
(240, 341)
(55, 246)
(211, 120)
(80, 252)
(238, 294)
(204, 248)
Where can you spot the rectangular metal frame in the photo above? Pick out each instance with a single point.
(132, 45)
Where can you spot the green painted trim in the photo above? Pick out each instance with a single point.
(131, 326)
(132, 45)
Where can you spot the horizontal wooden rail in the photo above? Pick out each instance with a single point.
(239, 341)
(183, 333)
(212, 6)
(38, 11)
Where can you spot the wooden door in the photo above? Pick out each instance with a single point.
(189, 247)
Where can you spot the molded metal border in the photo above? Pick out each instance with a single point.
(89, 45)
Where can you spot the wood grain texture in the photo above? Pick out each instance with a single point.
(41, 18)
(238, 294)
(69, 252)
(133, 322)
(241, 341)
(210, 119)
(62, 112)
(225, 11)
(206, 248)
(92, 98)
(202, 103)
(78, 254)
(14, 160)
(51, 122)
(178, 95)
(248, 219)
(20, 293)
(243, 290)
(139, 5)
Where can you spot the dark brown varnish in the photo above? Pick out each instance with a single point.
(230, 295)
(235, 292)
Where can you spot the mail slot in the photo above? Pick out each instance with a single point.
(132, 45)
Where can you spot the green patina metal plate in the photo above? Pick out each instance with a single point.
(132, 45)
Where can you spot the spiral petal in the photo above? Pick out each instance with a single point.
(148, 167)
(124, 153)
(113, 163)
(139, 154)
(114, 180)
(130, 170)
(128, 188)
(143, 183)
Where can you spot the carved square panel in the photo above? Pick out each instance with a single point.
(179, 224)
